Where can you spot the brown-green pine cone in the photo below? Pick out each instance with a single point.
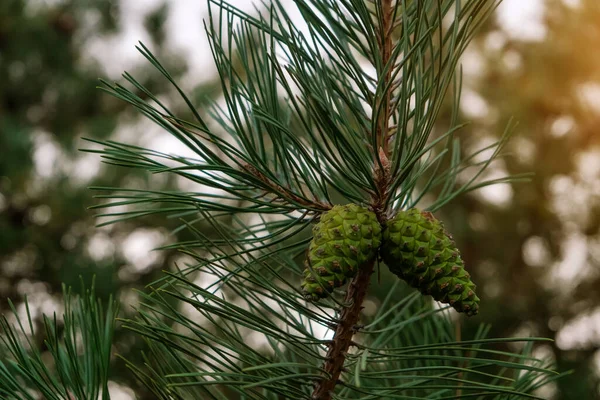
(417, 249)
(346, 238)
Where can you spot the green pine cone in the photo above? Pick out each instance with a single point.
(346, 238)
(417, 249)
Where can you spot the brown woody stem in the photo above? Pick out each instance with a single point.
(357, 290)
(385, 44)
(345, 330)
(383, 153)
(275, 188)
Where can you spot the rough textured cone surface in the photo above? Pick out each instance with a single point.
(346, 238)
(417, 249)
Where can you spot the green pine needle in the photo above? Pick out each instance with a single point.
(79, 343)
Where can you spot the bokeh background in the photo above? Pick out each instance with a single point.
(533, 248)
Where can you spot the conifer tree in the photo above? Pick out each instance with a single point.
(324, 136)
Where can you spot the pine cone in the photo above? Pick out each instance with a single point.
(346, 238)
(417, 249)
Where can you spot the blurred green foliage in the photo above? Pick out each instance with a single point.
(535, 257)
(48, 103)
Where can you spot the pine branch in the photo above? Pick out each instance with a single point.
(386, 48)
(357, 290)
(314, 204)
(344, 332)
(79, 345)
(304, 127)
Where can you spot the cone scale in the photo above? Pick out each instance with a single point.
(417, 249)
(346, 238)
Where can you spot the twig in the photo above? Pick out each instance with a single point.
(276, 189)
(386, 48)
(357, 290)
(345, 330)
(382, 175)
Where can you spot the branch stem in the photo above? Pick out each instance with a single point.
(345, 330)
(280, 191)
(386, 47)
(357, 290)
(384, 102)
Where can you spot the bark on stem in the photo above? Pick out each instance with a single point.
(357, 290)
(344, 332)
(385, 43)
(382, 154)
